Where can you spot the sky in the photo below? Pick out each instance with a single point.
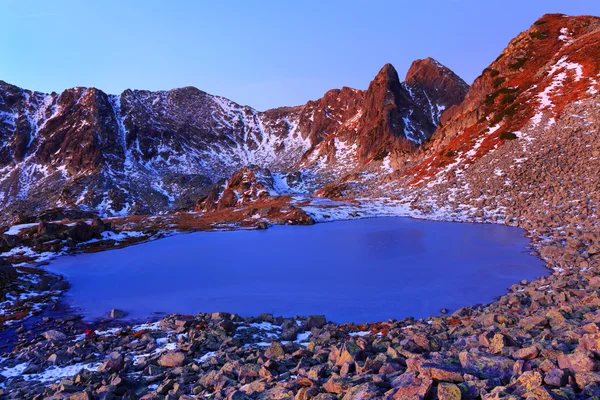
(260, 53)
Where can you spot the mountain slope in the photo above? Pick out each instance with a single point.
(542, 71)
(523, 146)
(149, 152)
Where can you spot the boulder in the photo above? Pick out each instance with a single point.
(363, 391)
(577, 362)
(54, 336)
(315, 321)
(337, 385)
(448, 391)
(527, 353)
(486, 366)
(555, 377)
(172, 359)
(584, 379)
(114, 363)
(350, 352)
(275, 351)
(99, 225)
(409, 384)
(116, 313)
(589, 342)
(527, 383)
(81, 232)
(49, 228)
(442, 372)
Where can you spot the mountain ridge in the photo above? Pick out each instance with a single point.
(149, 152)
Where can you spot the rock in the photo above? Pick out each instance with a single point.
(337, 385)
(350, 352)
(60, 286)
(532, 322)
(99, 225)
(81, 232)
(81, 396)
(58, 358)
(408, 384)
(220, 315)
(555, 318)
(248, 372)
(442, 372)
(448, 391)
(527, 383)
(49, 229)
(116, 313)
(577, 362)
(237, 395)
(275, 351)
(315, 321)
(317, 372)
(486, 366)
(261, 225)
(589, 342)
(114, 363)
(363, 391)
(171, 359)
(54, 336)
(276, 393)
(584, 379)
(226, 325)
(527, 353)
(555, 377)
(347, 369)
(290, 333)
(63, 388)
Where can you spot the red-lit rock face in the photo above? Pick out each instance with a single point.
(551, 65)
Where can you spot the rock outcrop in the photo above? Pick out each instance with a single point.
(247, 185)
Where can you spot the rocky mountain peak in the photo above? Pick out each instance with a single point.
(541, 72)
(424, 70)
(431, 82)
(387, 74)
(433, 75)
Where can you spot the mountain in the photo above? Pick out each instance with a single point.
(522, 148)
(542, 71)
(430, 139)
(149, 152)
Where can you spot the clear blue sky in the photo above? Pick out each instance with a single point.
(261, 53)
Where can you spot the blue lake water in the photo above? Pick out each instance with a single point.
(352, 271)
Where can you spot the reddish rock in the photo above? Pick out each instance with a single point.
(527, 353)
(409, 384)
(577, 362)
(172, 359)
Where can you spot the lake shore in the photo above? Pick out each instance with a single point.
(536, 339)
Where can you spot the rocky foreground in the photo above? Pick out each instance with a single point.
(540, 341)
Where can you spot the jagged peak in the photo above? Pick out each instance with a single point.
(387, 73)
(424, 71)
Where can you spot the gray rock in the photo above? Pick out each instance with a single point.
(54, 336)
(116, 313)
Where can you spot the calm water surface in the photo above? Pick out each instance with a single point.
(351, 271)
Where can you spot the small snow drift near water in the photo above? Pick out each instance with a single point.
(351, 271)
